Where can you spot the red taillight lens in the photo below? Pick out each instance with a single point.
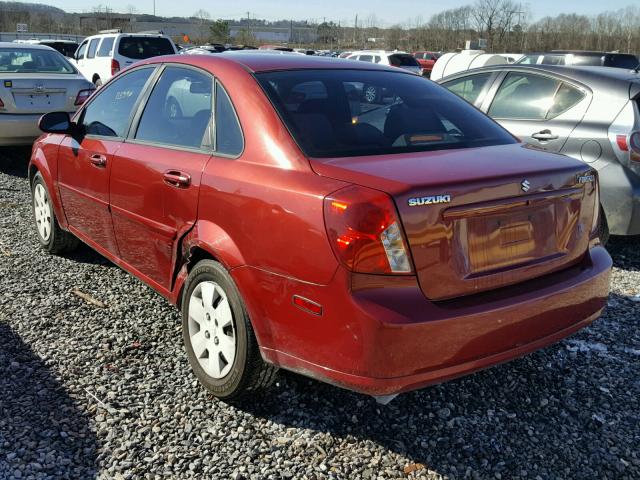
(115, 66)
(1, 103)
(621, 140)
(365, 232)
(82, 96)
(634, 147)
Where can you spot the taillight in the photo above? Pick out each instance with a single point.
(595, 224)
(634, 147)
(1, 103)
(621, 141)
(115, 66)
(365, 232)
(82, 96)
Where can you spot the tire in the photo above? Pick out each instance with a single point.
(97, 82)
(603, 228)
(213, 318)
(52, 238)
(173, 109)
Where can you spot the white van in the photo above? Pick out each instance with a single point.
(101, 56)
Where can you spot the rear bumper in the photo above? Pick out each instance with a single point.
(19, 129)
(382, 340)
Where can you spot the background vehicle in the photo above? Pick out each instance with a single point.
(65, 47)
(395, 59)
(451, 63)
(589, 113)
(426, 61)
(99, 57)
(35, 79)
(511, 57)
(579, 58)
(297, 226)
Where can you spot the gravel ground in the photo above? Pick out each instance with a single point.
(107, 392)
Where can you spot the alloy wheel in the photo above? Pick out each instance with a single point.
(42, 212)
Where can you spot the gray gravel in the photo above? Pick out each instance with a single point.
(107, 392)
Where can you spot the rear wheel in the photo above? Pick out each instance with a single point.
(218, 337)
(50, 235)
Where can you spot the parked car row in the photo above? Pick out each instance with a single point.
(380, 244)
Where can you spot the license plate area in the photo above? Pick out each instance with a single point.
(506, 240)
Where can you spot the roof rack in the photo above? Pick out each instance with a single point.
(152, 32)
(112, 30)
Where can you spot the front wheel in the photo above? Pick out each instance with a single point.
(218, 337)
(52, 238)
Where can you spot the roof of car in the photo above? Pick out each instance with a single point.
(261, 62)
(595, 77)
(26, 46)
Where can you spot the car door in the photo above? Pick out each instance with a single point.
(541, 110)
(85, 159)
(156, 173)
(79, 57)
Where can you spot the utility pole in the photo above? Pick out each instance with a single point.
(355, 31)
(154, 8)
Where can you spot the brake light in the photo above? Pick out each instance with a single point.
(1, 103)
(634, 147)
(621, 140)
(115, 66)
(82, 96)
(365, 232)
(595, 224)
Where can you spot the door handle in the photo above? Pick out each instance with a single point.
(544, 135)
(177, 179)
(98, 160)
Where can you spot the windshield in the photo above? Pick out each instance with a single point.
(337, 113)
(24, 60)
(140, 48)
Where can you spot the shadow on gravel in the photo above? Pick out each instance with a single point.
(42, 431)
(564, 412)
(625, 252)
(86, 254)
(14, 161)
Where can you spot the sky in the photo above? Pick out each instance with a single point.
(388, 12)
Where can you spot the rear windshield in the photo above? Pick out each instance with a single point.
(21, 60)
(140, 48)
(338, 113)
(403, 60)
(621, 61)
(65, 48)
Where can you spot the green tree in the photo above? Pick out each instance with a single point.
(219, 31)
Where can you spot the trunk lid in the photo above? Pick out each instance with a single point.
(484, 218)
(38, 93)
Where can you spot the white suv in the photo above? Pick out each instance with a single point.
(100, 57)
(395, 59)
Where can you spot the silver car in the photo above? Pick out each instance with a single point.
(35, 79)
(589, 113)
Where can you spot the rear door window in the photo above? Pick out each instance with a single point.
(469, 87)
(524, 96)
(93, 46)
(366, 58)
(178, 111)
(229, 139)
(139, 48)
(106, 47)
(621, 61)
(110, 111)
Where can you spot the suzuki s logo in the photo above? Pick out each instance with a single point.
(525, 185)
(433, 200)
(39, 87)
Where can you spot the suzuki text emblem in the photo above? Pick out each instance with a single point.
(525, 185)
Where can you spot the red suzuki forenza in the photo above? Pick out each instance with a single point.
(380, 247)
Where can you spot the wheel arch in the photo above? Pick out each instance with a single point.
(39, 164)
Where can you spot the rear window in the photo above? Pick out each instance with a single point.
(332, 113)
(403, 60)
(139, 48)
(621, 61)
(33, 61)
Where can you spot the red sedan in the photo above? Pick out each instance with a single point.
(426, 60)
(380, 247)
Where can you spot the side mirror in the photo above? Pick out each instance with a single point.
(55, 122)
